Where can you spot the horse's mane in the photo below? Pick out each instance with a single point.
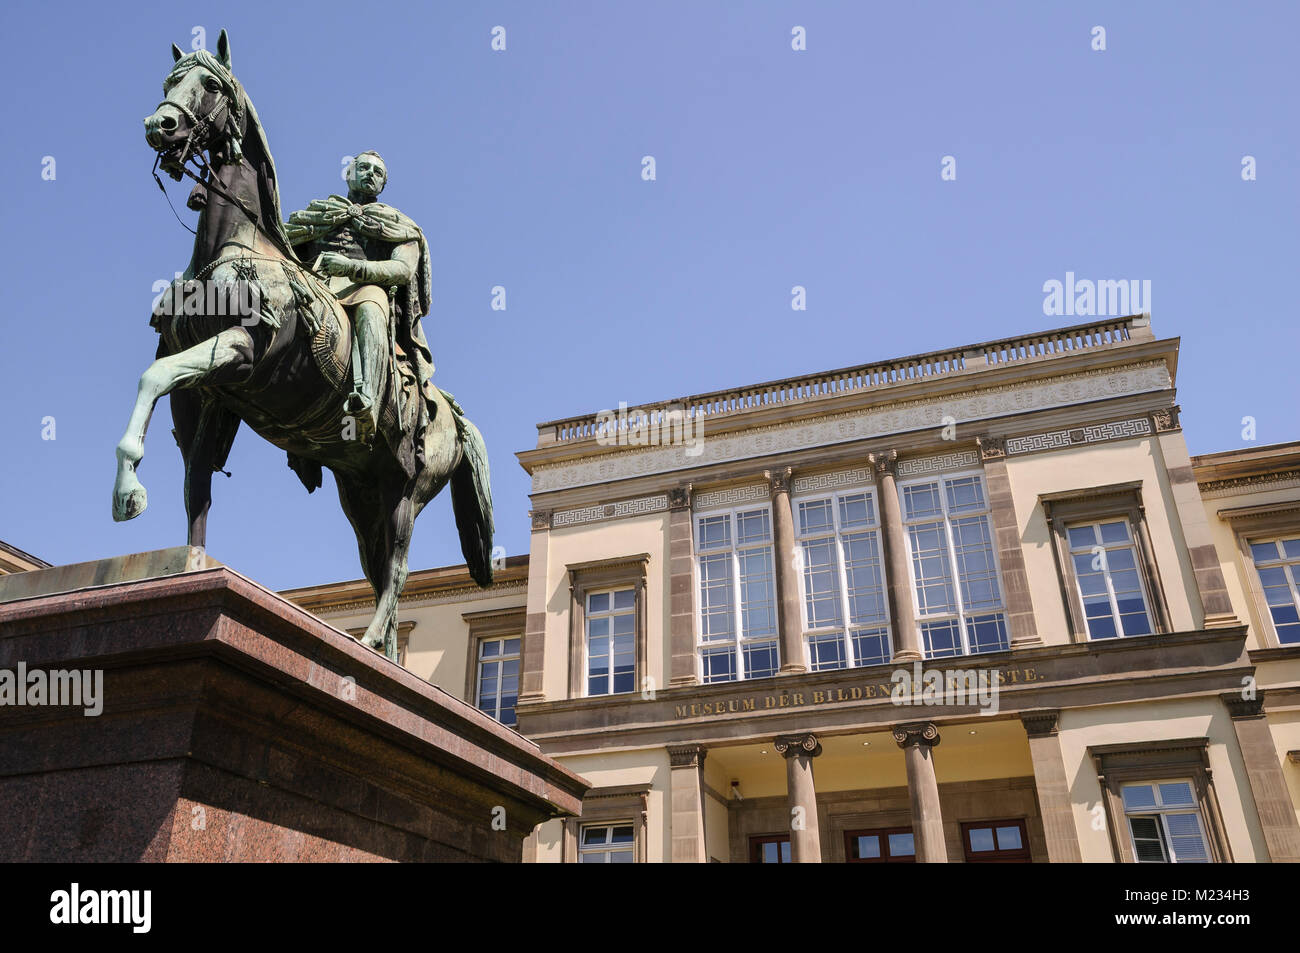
(250, 141)
(257, 153)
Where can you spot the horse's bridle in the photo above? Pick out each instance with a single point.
(196, 141)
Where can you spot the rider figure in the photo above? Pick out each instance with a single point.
(372, 255)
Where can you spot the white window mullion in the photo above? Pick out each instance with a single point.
(738, 614)
(1110, 585)
(846, 623)
(954, 568)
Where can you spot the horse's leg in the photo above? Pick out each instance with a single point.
(204, 430)
(221, 358)
(391, 575)
(362, 506)
(382, 519)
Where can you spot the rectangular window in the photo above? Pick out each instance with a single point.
(770, 849)
(1105, 562)
(995, 842)
(892, 845)
(611, 642)
(954, 568)
(1164, 823)
(498, 678)
(607, 844)
(845, 609)
(738, 634)
(1278, 565)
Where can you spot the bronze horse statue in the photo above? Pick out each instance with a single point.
(285, 370)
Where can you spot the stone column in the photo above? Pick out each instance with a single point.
(533, 654)
(918, 741)
(681, 589)
(787, 581)
(907, 638)
(1268, 786)
(686, 791)
(805, 834)
(1052, 785)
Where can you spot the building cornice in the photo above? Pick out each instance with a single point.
(445, 584)
(873, 423)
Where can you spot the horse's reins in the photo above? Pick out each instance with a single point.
(198, 132)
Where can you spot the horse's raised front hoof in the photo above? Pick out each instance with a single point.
(128, 504)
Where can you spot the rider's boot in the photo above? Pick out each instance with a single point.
(363, 403)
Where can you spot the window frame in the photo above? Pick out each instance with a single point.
(609, 806)
(1260, 524)
(611, 614)
(882, 832)
(1020, 855)
(836, 536)
(478, 644)
(1096, 505)
(1290, 566)
(1143, 587)
(738, 640)
(1160, 812)
(609, 847)
(606, 575)
(756, 842)
(961, 614)
(1181, 759)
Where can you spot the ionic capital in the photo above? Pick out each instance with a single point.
(802, 745)
(917, 733)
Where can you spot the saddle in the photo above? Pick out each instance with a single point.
(401, 414)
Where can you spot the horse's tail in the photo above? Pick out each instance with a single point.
(471, 500)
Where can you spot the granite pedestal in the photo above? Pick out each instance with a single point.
(237, 727)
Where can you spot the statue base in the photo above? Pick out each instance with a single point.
(235, 726)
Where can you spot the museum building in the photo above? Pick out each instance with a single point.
(976, 605)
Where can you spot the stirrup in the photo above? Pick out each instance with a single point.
(361, 409)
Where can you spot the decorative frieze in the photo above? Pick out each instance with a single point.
(467, 594)
(610, 511)
(1281, 480)
(839, 479)
(731, 496)
(939, 463)
(883, 420)
(1076, 436)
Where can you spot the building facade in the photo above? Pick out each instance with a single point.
(973, 605)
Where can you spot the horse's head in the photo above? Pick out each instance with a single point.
(202, 109)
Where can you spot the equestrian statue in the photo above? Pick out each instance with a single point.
(313, 340)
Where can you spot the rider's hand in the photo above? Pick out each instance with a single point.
(332, 263)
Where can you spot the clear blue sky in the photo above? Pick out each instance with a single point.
(775, 168)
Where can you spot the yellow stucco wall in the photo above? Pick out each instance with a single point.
(1079, 468)
(607, 540)
(646, 766)
(1238, 572)
(1150, 721)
